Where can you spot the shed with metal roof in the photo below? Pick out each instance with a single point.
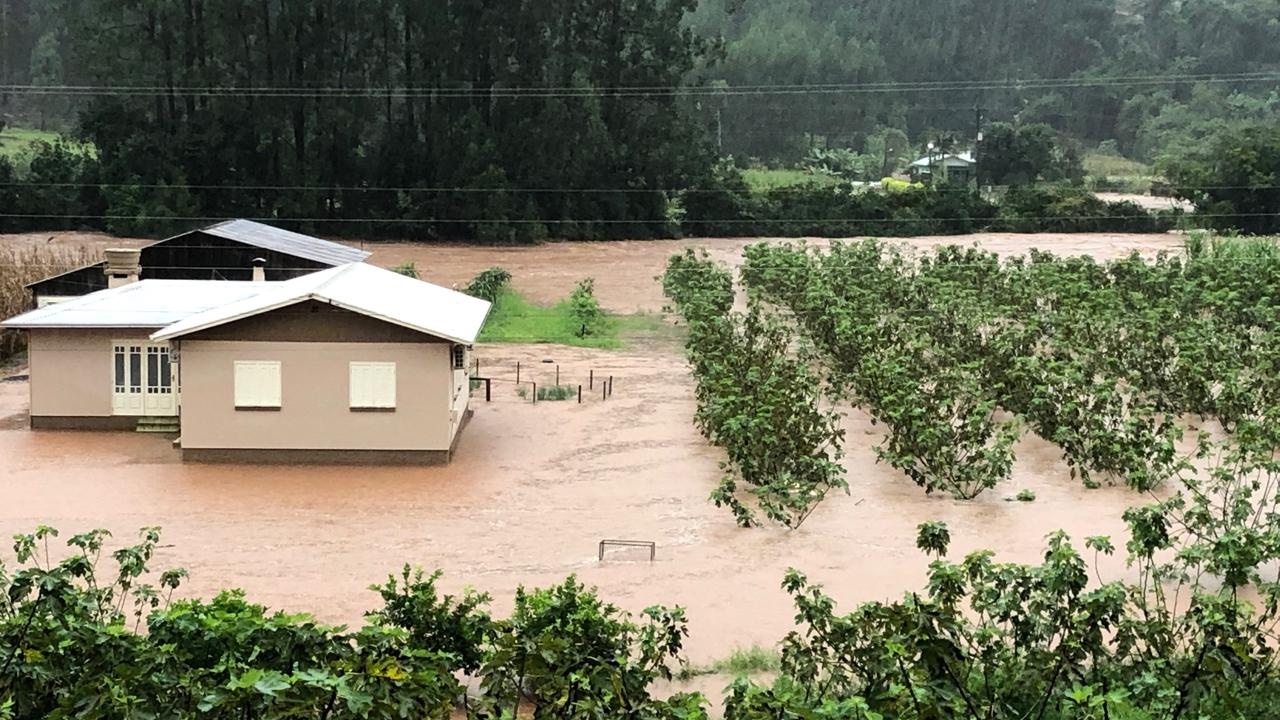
(222, 251)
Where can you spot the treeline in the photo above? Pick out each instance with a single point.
(59, 190)
(598, 119)
(396, 117)
(728, 208)
(1115, 46)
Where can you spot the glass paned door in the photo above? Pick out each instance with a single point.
(142, 380)
(159, 398)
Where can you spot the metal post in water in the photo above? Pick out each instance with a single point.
(591, 379)
(579, 394)
(535, 393)
(517, 372)
(557, 375)
(610, 386)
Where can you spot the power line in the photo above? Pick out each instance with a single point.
(835, 183)
(610, 221)
(402, 92)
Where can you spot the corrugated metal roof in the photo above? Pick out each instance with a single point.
(363, 289)
(262, 236)
(296, 244)
(143, 304)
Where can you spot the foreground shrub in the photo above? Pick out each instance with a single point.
(71, 645)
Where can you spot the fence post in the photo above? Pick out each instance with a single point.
(557, 375)
(591, 379)
(517, 372)
(610, 386)
(488, 390)
(579, 394)
(535, 393)
(604, 392)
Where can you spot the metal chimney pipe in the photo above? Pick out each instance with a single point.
(259, 269)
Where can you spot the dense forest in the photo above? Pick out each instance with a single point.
(922, 67)
(579, 118)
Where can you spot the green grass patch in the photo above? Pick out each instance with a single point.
(1112, 173)
(557, 392)
(514, 319)
(741, 662)
(15, 140)
(1103, 165)
(761, 179)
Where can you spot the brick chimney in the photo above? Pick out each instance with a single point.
(123, 266)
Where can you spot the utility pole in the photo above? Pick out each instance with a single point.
(977, 134)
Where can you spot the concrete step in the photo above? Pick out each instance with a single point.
(158, 425)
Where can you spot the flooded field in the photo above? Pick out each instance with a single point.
(534, 488)
(625, 271)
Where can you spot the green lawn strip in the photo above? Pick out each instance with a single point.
(514, 319)
(18, 142)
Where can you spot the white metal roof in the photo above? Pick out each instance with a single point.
(285, 241)
(359, 288)
(953, 160)
(143, 304)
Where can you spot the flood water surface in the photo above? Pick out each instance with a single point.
(534, 488)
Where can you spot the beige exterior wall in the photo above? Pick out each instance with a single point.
(71, 371)
(315, 412)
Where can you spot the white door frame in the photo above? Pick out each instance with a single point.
(143, 380)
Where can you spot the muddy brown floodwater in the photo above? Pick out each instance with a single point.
(534, 488)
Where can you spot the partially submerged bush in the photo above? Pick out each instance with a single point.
(489, 284)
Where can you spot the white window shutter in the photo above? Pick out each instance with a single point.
(257, 384)
(373, 385)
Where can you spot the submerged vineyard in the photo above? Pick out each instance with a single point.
(757, 399)
(957, 353)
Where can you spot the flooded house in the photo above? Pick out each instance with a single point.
(350, 364)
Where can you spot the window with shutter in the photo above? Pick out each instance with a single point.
(373, 386)
(257, 385)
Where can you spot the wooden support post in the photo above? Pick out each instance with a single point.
(591, 379)
(535, 393)
(610, 386)
(517, 372)
(488, 390)
(557, 375)
(579, 394)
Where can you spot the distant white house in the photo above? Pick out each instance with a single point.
(953, 167)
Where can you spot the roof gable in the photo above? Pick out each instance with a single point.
(362, 289)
